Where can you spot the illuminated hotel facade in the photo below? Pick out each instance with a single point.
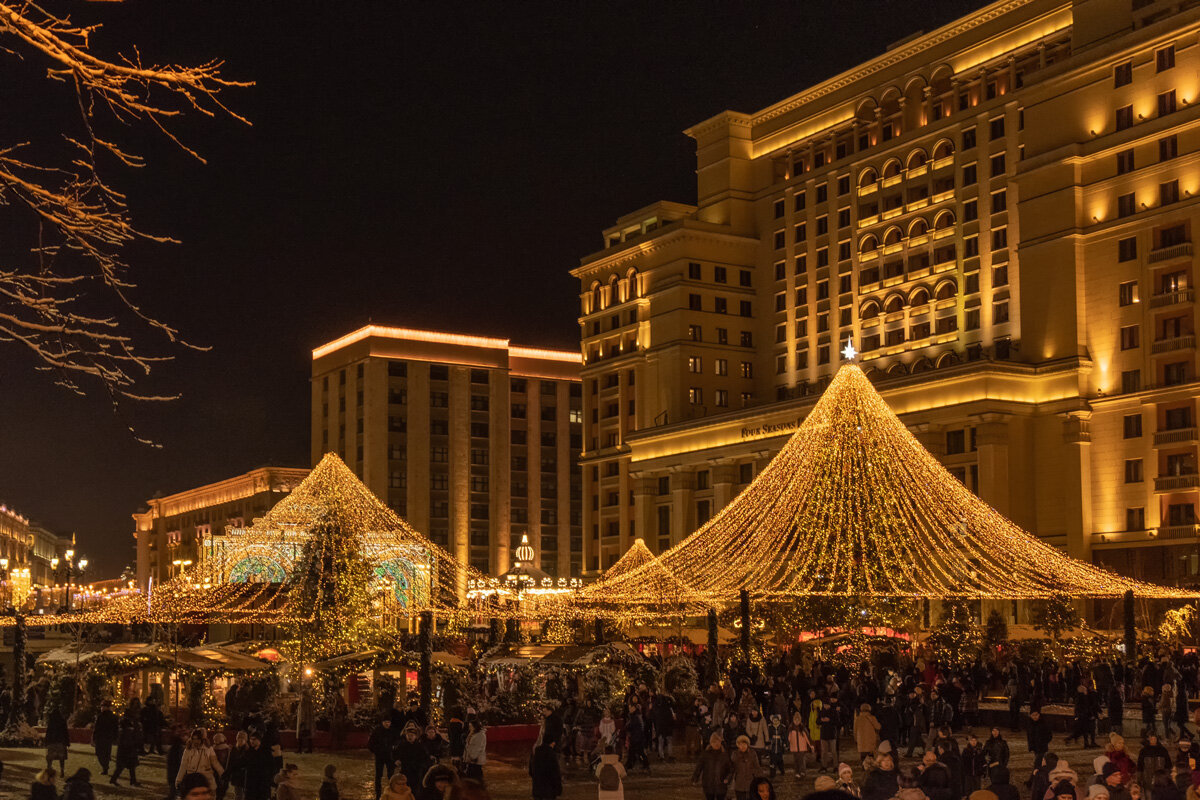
(171, 531)
(998, 214)
(473, 440)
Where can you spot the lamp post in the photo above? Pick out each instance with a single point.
(66, 570)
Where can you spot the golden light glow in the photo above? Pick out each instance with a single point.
(409, 334)
(853, 505)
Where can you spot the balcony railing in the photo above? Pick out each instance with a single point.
(1175, 483)
(1174, 251)
(1175, 436)
(1171, 298)
(1177, 532)
(1174, 343)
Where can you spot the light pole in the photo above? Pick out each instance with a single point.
(70, 570)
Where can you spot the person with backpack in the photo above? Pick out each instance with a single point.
(610, 772)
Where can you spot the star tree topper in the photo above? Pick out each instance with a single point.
(848, 352)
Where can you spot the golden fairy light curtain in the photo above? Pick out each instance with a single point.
(853, 505)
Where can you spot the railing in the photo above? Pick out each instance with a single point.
(1174, 343)
(1171, 483)
(1171, 298)
(1174, 251)
(1177, 532)
(1175, 436)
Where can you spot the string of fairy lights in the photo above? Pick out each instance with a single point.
(853, 505)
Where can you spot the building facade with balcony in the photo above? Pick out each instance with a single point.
(475, 441)
(998, 214)
(170, 530)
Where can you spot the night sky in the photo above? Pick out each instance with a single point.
(434, 165)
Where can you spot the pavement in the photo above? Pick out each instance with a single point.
(507, 779)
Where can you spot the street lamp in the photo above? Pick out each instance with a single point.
(70, 570)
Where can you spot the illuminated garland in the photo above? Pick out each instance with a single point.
(853, 505)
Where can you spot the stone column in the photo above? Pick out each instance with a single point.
(991, 442)
(645, 489)
(683, 507)
(724, 480)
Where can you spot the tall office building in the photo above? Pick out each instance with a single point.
(997, 214)
(473, 440)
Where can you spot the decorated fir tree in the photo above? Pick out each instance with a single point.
(330, 591)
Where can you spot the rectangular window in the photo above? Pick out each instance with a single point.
(1000, 238)
(971, 246)
(1127, 293)
(996, 128)
(1131, 381)
(822, 224)
(1129, 337)
(1133, 426)
(1164, 58)
(1168, 148)
(746, 339)
(781, 301)
(823, 257)
(997, 162)
(694, 302)
(694, 270)
(780, 240)
(1127, 249)
(694, 333)
(798, 202)
(1125, 162)
(1168, 192)
(722, 398)
(970, 211)
(1124, 117)
(720, 305)
(1166, 103)
(695, 364)
(970, 175)
(780, 210)
(780, 332)
(1135, 519)
(1123, 74)
(745, 309)
(721, 366)
(801, 263)
(1133, 470)
(1126, 205)
(844, 218)
(696, 396)
(722, 336)
(822, 193)
(745, 278)
(747, 369)
(843, 185)
(972, 319)
(956, 442)
(780, 364)
(968, 139)
(719, 275)
(1000, 276)
(999, 201)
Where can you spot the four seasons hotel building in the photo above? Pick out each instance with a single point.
(998, 213)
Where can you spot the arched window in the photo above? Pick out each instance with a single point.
(896, 370)
(868, 244)
(947, 359)
(597, 297)
(918, 227)
(916, 159)
(631, 279)
(891, 168)
(946, 290)
(614, 290)
(893, 304)
(944, 219)
(870, 310)
(943, 149)
(867, 176)
(891, 236)
(919, 297)
(921, 365)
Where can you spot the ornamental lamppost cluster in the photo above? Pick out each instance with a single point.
(67, 570)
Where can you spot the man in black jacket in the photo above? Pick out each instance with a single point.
(104, 735)
(1039, 736)
(260, 769)
(381, 742)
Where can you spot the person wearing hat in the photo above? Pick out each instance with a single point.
(1117, 754)
(866, 731)
(845, 781)
(545, 773)
(713, 769)
(974, 764)
(881, 783)
(1114, 781)
(935, 778)
(437, 781)
(380, 743)
(744, 767)
(799, 745)
(776, 744)
(1098, 791)
(411, 756)
(1185, 760)
(1152, 759)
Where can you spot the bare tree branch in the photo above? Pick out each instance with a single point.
(69, 303)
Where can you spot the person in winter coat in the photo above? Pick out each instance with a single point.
(287, 783)
(104, 735)
(995, 751)
(1166, 707)
(799, 744)
(1039, 736)
(437, 782)
(845, 782)
(1113, 780)
(1039, 781)
(814, 725)
(974, 765)
(610, 774)
(1163, 788)
(43, 787)
(545, 773)
(1117, 754)
(866, 731)
(776, 744)
(235, 774)
(411, 755)
(58, 739)
(329, 785)
(935, 780)
(306, 722)
(744, 767)
(397, 788)
(223, 752)
(756, 731)
(79, 786)
(1149, 709)
(881, 782)
(260, 769)
(1185, 762)
(381, 743)
(199, 757)
(829, 721)
(1152, 758)
(128, 748)
(1116, 708)
(474, 754)
(713, 769)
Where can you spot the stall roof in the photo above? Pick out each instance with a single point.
(75, 651)
(562, 654)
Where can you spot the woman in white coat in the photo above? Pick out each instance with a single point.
(198, 757)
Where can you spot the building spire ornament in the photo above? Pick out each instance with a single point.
(848, 352)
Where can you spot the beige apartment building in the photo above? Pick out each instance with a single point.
(997, 214)
(475, 441)
(172, 531)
